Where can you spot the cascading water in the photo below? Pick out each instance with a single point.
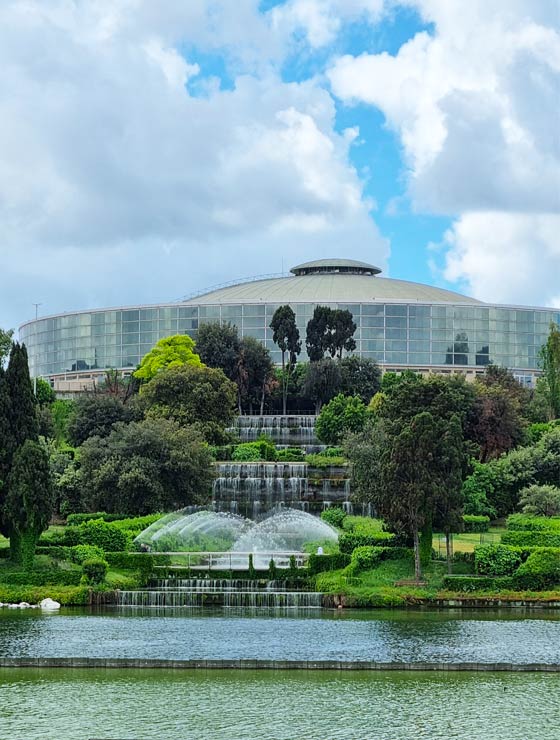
(286, 430)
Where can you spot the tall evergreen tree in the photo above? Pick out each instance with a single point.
(285, 335)
(317, 333)
(23, 418)
(6, 444)
(550, 362)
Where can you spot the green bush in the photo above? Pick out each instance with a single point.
(261, 449)
(46, 577)
(525, 523)
(348, 542)
(142, 561)
(477, 583)
(65, 595)
(366, 558)
(291, 454)
(334, 516)
(324, 461)
(106, 535)
(540, 571)
(531, 539)
(496, 560)
(333, 452)
(95, 570)
(474, 523)
(4, 553)
(322, 563)
(75, 519)
(79, 553)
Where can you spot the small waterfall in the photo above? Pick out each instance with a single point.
(283, 430)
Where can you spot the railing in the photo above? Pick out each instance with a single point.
(232, 560)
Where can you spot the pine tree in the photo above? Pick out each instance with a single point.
(23, 418)
(6, 445)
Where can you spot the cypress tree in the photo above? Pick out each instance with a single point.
(23, 418)
(6, 445)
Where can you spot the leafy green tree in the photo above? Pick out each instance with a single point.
(61, 410)
(168, 352)
(540, 500)
(318, 333)
(341, 415)
(147, 466)
(342, 332)
(94, 415)
(255, 373)
(322, 381)
(44, 394)
(5, 344)
(193, 395)
(550, 362)
(360, 376)
(218, 346)
(286, 337)
(28, 504)
(479, 488)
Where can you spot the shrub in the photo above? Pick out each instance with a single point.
(524, 523)
(334, 516)
(540, 500)
(79, 553)
(539, 571)
(477, 583)
(291, 454)
(142, 561)
(324, 461)
(366, 558)
(333, 452)
(474, 523)
(496, 560)
(95, 570)
(348, 542)
(272, 570)
(262, 449)
(46, 577)
(65, 595)
(75, 519)
(322, 563)
(531, 539)
(106, 535)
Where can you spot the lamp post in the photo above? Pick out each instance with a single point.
(35, 353)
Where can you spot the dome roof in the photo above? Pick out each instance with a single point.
(331, 281)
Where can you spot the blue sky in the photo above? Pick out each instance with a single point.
(150, 150)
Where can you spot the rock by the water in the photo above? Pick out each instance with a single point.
(49, 605)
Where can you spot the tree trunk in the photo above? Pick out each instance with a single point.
(449, 551)
(417, 564)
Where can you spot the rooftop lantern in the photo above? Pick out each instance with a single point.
(335, 267)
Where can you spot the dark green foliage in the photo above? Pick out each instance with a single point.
(334, 516)
(317, 333)
(255, 374)
(261, 449)
(28, 504)
(467, 584)
(94, 415)
(142, 561)
(95, 570)
(348, 542)
(51, 576)
(218, 347)
(272, 570)
(342, 332)
(522, 522)
(477, 488)
(286, 336)
(360, 376)
(145, 467)
(252, 571)
(497, 425)
(321, 563)
(342, 415)
(75, 519)
(541, 570)
(61, 412)
(191, 395)
(496, 560)
(475, 523)
(329, 331)
(322, 381)
(531, 539)
(550, 362)
(23, 420)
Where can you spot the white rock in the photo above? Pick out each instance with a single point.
(24, 605)
(49, 605)
(12, 606)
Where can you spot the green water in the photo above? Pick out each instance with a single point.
(263, 705)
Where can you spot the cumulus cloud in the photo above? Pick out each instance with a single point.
(475, 104)
(119, 183)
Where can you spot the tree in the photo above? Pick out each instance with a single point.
(6, 441)
(44, 394)
(193, 395)
(28, 504)
(322, 381)
(94, 415)
(255, 373)
(317, 333)
(360, 376)
(147, 466)
(550, 363)
(341, 415)
(286, 337)
(5, 344)
(23, 420)
(218, 346)
(540, 500)
(497, 425)
(342, 332)
(168, 352)
(120, 386)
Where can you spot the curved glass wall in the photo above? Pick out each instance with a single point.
(394, 334)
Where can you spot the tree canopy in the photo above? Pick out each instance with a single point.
(168, 352)
(285, 335)
(341, 415)
(218, 347)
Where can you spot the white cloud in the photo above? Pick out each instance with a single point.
(476, 106)
(117, 184)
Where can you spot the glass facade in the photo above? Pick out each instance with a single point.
(395, 334)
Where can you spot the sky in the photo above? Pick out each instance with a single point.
(149, 150)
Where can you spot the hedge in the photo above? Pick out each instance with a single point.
(75, 519)
(540, 571)
(531, 539)
(321, 563)
(134, 560)
(95, 570)
(524, 523)
(477, 583)
(474, 523)
(367, 557)
(348, 541)
(53, 577)
(496, 560)
(65, 595)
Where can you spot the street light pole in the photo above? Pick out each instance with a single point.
(35, 353)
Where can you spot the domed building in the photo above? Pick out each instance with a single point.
(400, 324)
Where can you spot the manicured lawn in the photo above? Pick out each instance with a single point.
(467, 541)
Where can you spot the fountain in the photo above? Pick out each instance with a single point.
(200, 531)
